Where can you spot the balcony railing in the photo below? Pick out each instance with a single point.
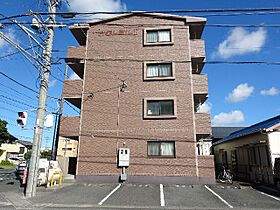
(197, 48)
(69, 126)
(72, 89)
(203, 123)
(200, 84)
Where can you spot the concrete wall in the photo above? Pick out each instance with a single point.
(274, 146)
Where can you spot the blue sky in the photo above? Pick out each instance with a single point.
(239, 94)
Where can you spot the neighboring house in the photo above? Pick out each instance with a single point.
(67, 154)
(250, 153)
(15, 151)
(140, 87)
(67, 147)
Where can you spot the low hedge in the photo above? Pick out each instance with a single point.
(6, 163)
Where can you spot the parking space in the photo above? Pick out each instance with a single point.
(193, 196)
(135, 195)
(78, 194)
(247, 198)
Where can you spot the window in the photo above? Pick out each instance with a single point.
(165, 107)
(159, 71)
(21, 150)
(160, 108)
(158, 36)
(161, 149)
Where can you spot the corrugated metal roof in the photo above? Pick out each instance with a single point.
(223, 131)
(252, 129)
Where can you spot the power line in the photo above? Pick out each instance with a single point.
(26, 87)
(147, 12)
(176, 61)
(71, 106)
(6, 86)
(20, 102)
(151, 25)
(165, 11)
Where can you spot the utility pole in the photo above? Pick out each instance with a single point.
(38, 129)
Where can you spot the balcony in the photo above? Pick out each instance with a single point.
(76, 52)
(197, 65)
(203, 124)
(80, 32)
(75, 59)
(197, 48)
(200, 84)
(72, 92)
(69, 126)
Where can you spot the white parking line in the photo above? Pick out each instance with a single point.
(162, 201)
(230, 206)
(114, 190)
(271, 196)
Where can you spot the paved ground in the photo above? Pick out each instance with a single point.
(73, 195)
(7, 174)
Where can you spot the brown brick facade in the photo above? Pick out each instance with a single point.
(110, 119)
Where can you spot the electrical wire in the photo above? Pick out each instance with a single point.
(20, 102)
(178, 61)
(26, 87)
(70, 105)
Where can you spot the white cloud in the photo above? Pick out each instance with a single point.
(97, 6)
(10, 33)
(206, 107)
(74, 76)
(241, 41)
(52, 83)
(228, 118)
(240, 93)
(271, 92)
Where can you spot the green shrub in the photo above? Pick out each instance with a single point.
(6, 163)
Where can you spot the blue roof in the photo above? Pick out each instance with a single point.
(252, 129)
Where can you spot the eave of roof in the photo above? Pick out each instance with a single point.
(259, 127)
(187, 19)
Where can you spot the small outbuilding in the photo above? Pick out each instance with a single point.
(250, 153)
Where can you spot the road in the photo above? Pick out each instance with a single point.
(138, 196)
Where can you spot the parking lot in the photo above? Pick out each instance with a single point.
(73, 195)
(145, 196)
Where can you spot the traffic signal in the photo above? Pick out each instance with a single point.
(22, 119)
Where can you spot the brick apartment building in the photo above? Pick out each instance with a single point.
(140, 88)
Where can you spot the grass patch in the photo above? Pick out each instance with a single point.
(6, 163)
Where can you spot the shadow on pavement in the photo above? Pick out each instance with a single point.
(271, 190)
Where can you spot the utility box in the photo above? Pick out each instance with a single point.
(124, 157)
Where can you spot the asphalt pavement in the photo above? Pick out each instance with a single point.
(75, 195)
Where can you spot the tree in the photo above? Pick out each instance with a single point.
(27, 156)
(4, 135)
(46, 154)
